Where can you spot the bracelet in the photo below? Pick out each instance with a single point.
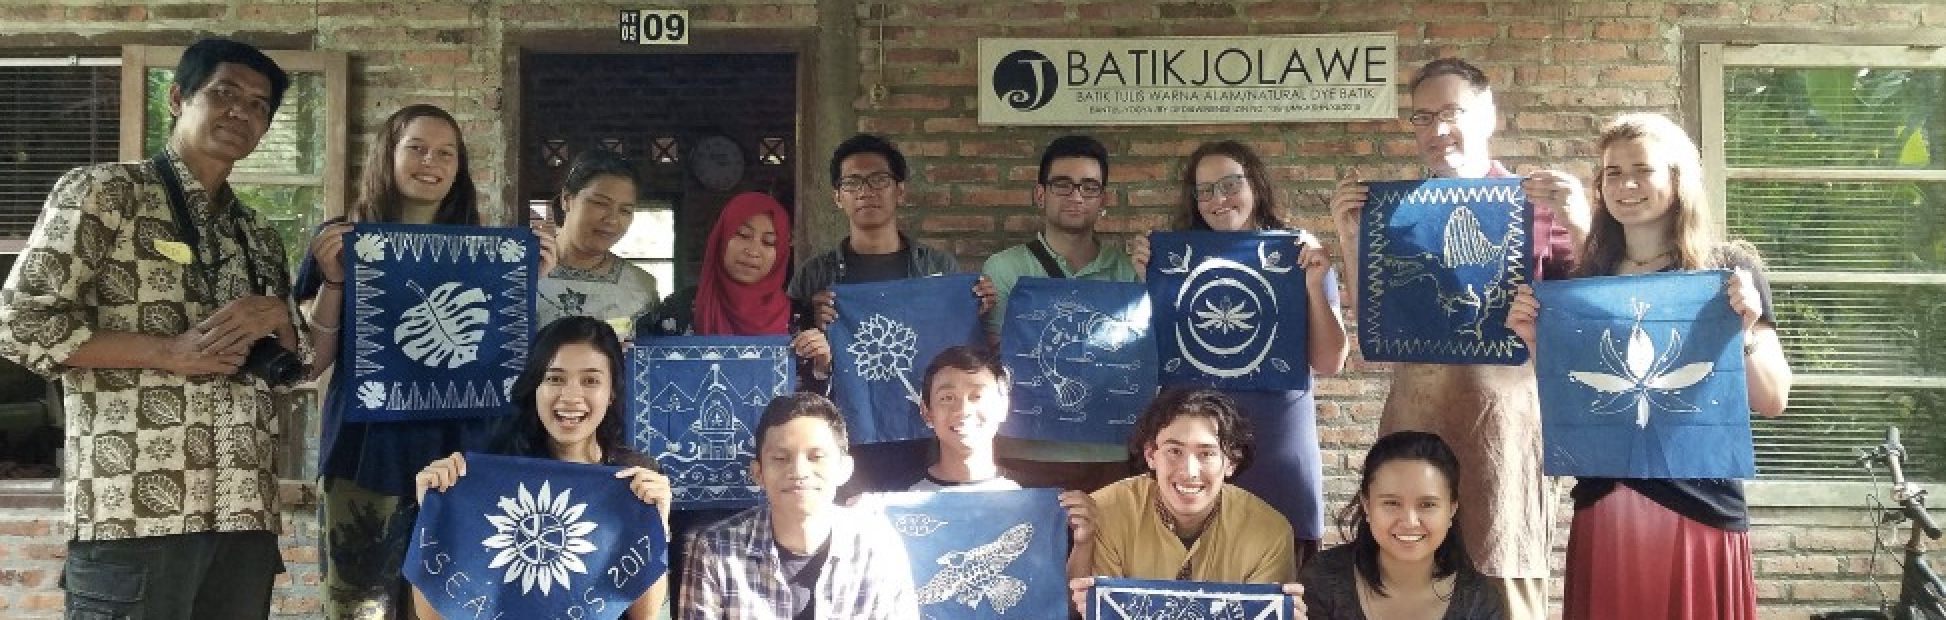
(1749, 348)
(332, 329)
(337, 285)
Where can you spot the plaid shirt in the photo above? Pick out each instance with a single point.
(733, 572)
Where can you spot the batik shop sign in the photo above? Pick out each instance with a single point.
(1185, 80)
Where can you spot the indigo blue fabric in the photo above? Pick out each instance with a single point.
(1438, 263)
(694, 402)
(1115, 598)
(1081, 355)
(885, 335)
(984, 554)
(439, 320)
(535, 538)
(1642, 377)
(1230, 310)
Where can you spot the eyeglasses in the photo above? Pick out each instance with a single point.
(857, 183)
(226, 97)
(1426, 119)
(1228, 186)
(1067, 187)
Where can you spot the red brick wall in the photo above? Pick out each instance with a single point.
(1562, 66)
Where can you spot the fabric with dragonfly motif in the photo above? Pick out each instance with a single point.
(1642, 376)
(1231, 310)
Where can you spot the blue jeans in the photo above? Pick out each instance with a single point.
(205, 575)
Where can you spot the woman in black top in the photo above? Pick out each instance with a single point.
(568, 404)
(1404, 559)
(1660, 547)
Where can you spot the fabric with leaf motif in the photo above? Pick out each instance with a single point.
(439, 320)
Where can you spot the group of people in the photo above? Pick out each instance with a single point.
(153, 293)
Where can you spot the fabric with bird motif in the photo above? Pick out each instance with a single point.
(984, 554)
(1081, 357)
(1231, 310)
(438, 320)
(885, 334)
(1439, 261)
(1642, 376)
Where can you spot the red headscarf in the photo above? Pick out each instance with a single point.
(726, 307)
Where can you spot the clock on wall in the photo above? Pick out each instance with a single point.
(717, 162)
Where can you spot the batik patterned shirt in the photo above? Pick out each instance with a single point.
(148, 452)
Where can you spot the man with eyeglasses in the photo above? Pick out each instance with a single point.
(145, 287)
(1071, 193)
(868, 178)
(1490, 415)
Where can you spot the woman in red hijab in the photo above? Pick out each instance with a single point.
(741, 289)
(739, 293)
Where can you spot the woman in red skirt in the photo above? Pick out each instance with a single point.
(1661, 548)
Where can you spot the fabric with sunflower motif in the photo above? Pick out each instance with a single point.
(1642, 376)
(149, 453)
(535, 538)
(1231, 310)
(885, 335)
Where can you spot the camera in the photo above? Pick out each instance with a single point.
(272, 363)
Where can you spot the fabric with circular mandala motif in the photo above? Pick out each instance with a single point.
(152, 453)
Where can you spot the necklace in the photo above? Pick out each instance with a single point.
(1645, 262)
(597, 271)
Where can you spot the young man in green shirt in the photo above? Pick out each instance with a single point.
(1071, 193)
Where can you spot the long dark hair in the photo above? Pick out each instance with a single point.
(1356, 527)
(379, 199)
(523, 434)
(1267, 213)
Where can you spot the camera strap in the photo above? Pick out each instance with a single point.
(191, 235)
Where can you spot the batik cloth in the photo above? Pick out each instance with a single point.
(984, 554)
(1114, 598)
(885, 335)
(535, 538)
(440, 320)
(1081, 356)
(1231, 310)
(1439, 260)
(1642, 376)
(694, 403)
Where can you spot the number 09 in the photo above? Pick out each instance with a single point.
(664, 27)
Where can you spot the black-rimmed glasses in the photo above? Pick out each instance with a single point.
(1067, 187)
(857, 183)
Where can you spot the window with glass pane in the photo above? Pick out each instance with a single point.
(1838, 174)
(283, 178)
(651, 241)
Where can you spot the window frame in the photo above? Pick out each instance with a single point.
(1713, 51)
